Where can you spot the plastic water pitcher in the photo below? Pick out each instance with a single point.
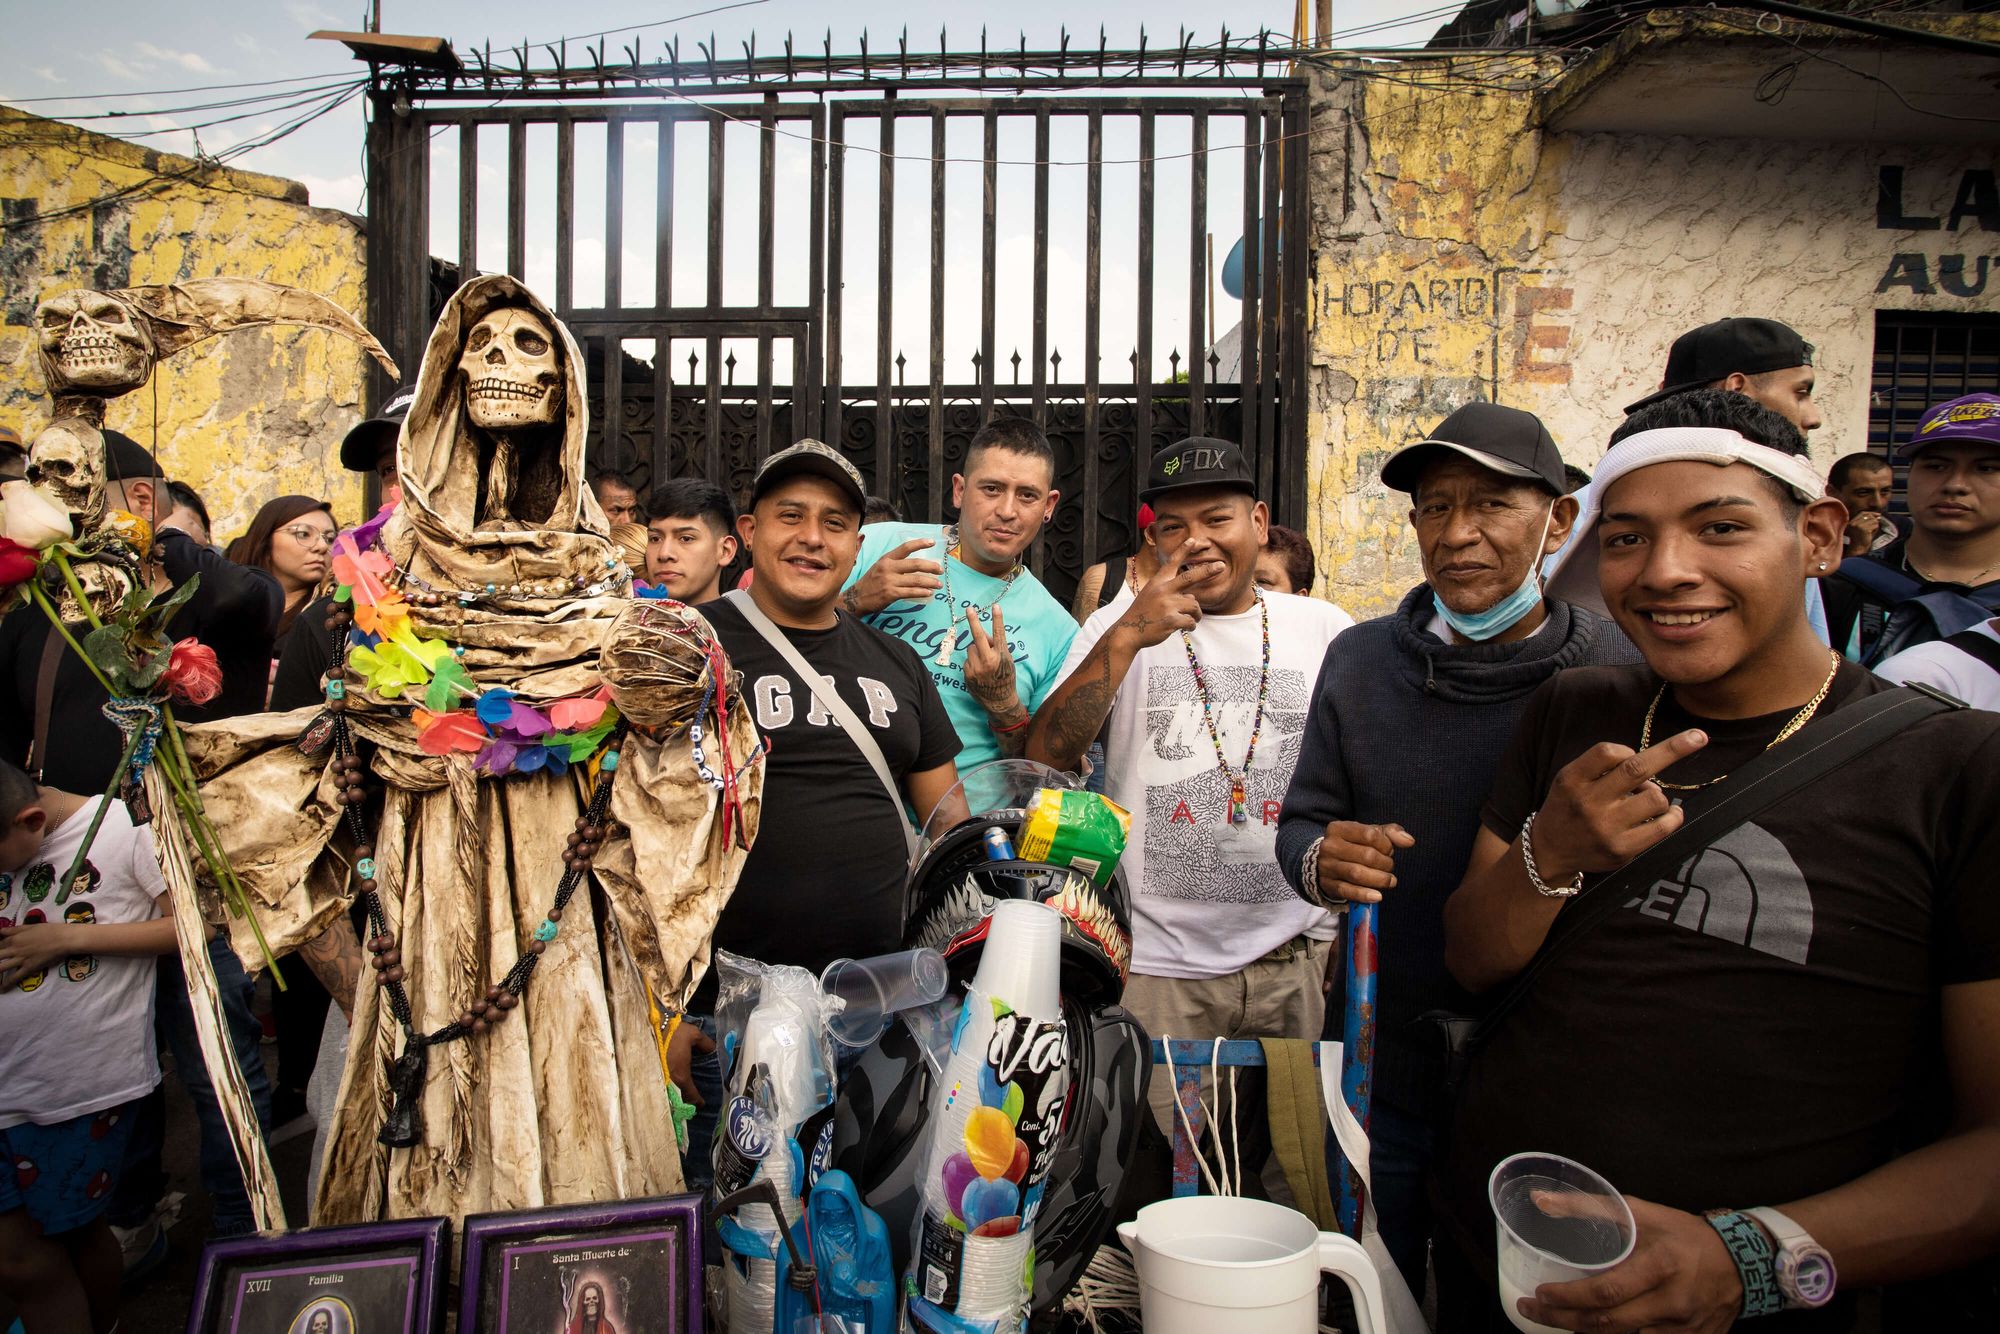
(1214, 1265)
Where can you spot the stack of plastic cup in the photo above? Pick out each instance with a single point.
(978, 1184)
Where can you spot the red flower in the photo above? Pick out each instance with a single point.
(17, 563)
(192, 672)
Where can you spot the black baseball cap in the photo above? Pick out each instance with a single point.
(1739, 345)
(126, 460)
(362, 445)
(821, 460)
(1199, 460)
(1506, 440)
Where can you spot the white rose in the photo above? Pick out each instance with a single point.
(32, 517)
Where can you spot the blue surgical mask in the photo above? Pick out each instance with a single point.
(1503, 615)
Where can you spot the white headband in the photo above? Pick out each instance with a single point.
(1574, 578)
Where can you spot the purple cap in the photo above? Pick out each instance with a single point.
(1975, 417)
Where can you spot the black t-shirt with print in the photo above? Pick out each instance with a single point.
(824, 879)
(1763, 1025)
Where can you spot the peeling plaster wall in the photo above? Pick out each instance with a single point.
(243, 417)
(1460, 253)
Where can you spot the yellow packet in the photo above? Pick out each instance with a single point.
(1084, 830)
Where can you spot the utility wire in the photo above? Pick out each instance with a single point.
(166, 92)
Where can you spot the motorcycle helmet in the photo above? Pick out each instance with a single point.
(881, 1115)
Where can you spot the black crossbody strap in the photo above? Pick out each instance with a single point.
(1817, 750)
(1981, 648)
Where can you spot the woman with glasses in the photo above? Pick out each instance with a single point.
(292, 537)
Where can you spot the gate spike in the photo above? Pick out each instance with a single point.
(750, 57)
(903, 48)
(692, 360)
(1017, 365)
(729, 365)
(790, 73)
(1102, 42)
(899, 369)
(1055, 364)
(1174, 366)
(864, 54)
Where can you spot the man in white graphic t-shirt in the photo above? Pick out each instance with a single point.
(1205, 681)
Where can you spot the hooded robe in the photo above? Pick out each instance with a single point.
(565, 1100)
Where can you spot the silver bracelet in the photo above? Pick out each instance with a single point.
(1542, 887)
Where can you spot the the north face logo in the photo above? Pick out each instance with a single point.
(1745, 888)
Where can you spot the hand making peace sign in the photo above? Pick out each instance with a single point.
(989, 665)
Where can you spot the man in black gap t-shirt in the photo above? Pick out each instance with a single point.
(824, 878)
(1810, 995)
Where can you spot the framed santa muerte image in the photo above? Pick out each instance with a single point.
(375, 1278)
(632, 1267)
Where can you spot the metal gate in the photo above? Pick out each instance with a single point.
(706, 368)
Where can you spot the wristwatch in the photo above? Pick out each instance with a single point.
(1805, 1270)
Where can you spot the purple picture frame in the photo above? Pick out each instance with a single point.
(424, 1244)
(489, 1238)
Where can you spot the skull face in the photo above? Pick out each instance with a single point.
(67, 461)
(512, 377)
(90, 341)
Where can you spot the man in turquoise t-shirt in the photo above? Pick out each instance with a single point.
(989, 633)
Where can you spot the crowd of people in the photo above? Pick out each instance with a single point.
(1771, 1023)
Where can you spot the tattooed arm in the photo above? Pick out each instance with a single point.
(1070, 719)
(334, 956)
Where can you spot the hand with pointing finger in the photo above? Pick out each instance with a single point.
(1164, 604)
(1358, 861)
(1605, 809)
(897, 577)
(989, 666)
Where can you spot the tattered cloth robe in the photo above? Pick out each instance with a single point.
(566, 1101)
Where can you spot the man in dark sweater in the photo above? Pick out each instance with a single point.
(1410, 717)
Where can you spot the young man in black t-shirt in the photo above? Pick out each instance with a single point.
(1808, 997)
(824, 879)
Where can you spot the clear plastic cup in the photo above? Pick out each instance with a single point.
(877, 989)
(1555, 1221)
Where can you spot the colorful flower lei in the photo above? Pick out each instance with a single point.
(504, 734)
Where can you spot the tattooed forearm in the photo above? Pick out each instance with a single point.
(334, 956)
(1065, 726)
(851, 602)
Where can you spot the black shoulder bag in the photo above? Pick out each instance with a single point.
(1817, 750)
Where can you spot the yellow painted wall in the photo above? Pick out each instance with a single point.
(1459, 252)
(243, 417)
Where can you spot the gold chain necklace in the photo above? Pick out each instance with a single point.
(1799, 719)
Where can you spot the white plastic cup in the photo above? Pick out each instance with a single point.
(876, 990)
(1021, 962)
(1555, 1221)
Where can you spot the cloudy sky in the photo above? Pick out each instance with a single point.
(140, 61)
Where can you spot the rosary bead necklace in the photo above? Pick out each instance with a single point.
(1239, 784)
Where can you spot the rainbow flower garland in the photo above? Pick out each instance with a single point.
(505, 735)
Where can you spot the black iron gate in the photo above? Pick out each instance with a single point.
(750, 339)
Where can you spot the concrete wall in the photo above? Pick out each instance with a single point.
(1460, 253)
(249, 415)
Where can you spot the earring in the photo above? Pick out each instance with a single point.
(1822, 565)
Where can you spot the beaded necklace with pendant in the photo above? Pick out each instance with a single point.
(950, 644)
(1239, 784)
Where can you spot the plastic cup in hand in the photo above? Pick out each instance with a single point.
(877, 989)
(1556, 1221)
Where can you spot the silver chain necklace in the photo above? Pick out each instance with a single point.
(950, 644)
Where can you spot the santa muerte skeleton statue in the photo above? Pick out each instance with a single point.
(539, 790)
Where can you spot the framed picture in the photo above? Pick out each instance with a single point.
(631, 1267)
(373, 1278)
